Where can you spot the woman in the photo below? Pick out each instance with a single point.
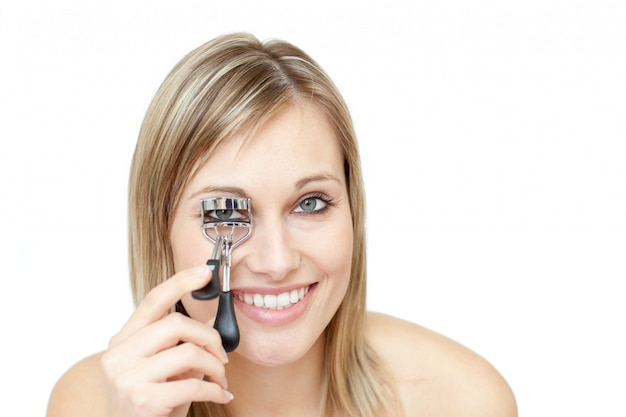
(241, 118)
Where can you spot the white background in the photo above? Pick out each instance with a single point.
(493, 137)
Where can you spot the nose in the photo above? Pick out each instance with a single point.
(270, 250)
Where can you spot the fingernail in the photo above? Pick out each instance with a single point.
(228, 394)
(224, 356)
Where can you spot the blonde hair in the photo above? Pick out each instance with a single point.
(231, 83)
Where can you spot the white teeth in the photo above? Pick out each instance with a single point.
(248, 299)
(270, 301)
(274, 302)
(258, 300)
(283, 300)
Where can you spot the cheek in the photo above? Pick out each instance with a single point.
(335, 253)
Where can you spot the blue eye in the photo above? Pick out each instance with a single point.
(310, 205)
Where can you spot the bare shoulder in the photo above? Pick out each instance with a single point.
(437, 376)
(80, 391)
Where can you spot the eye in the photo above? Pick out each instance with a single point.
(311, 204)
(225, 214)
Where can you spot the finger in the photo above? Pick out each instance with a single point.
(185, 391)
(162, 398)
(216, 349)
(183, 359)
(169, 332)
(161, 298)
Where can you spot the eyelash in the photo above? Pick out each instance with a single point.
(326, 199)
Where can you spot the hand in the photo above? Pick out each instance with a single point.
(155, 366)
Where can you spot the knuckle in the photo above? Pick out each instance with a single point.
(215, 336)
(176, 319)
(188, 352)
(114, 340)
(132, 393)
(122, 385)
(108, 363)
(142, 401)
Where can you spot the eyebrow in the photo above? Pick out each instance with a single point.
(315, 178)
(226, 190)
(237, 191)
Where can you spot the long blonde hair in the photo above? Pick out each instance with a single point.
(231, 83)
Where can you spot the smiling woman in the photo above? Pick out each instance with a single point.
(242, 119)
(293, 247)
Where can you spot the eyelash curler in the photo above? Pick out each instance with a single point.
(226, 222)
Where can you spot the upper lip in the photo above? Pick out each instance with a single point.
(269, 290)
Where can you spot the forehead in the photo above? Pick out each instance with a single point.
(296, 142)
(295, 138)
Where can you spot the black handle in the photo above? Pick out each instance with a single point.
(212, 289)
(226, 322)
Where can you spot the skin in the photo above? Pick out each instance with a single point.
(292, 169)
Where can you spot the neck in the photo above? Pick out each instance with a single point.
(294, 389)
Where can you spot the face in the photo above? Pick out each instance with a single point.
(298, 256)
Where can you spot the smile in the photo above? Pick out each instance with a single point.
(274, 301)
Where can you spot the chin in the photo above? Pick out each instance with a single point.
(277, 350)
